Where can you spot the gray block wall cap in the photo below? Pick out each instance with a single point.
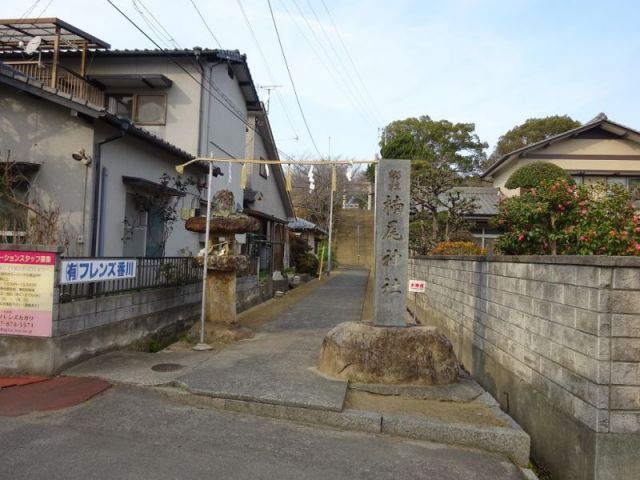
(581, 260)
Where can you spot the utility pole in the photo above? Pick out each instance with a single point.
(333, 174)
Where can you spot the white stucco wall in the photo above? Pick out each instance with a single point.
(38, 131)
(271, 202)
(225, 129)
(220, 133)
(183, 97)
(133, 157)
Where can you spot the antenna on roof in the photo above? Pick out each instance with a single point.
(268, 88)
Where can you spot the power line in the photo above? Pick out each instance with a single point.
(338, 57)
(293, 85)
(268, 68)
(222, 149)
(353, 64)
(30, 9)
(342, 83)
(165, 37)
(45, 8)
(170, 39)
(205, 23)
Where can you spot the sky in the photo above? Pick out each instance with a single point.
(358, 65)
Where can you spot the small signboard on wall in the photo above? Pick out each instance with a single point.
(417, 286)
(26, 293)
(84, 271)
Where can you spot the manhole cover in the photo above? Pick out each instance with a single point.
(166, 367)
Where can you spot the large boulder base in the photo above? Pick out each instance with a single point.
(364, 353)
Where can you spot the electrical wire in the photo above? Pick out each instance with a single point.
(170, 39)
(205, 23)
(353, 64)
(30, 9)
(293, 85)
(267, 67)
(337, 55)
(342, 83)
(222, 150)
(45, 8)
(158, 30)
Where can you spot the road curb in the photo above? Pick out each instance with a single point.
(512, 441)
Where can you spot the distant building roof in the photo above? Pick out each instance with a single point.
(600, 121)
(301, 225)
(486, 199)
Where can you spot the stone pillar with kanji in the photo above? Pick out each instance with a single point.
(392, 242)
(392, 350)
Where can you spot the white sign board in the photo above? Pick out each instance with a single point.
(26, 293)
(417, 286)
(84, 271)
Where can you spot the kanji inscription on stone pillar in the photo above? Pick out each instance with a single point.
(392, 242)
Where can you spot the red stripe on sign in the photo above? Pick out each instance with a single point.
(27, 258)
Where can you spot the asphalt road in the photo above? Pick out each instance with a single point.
(134, 433)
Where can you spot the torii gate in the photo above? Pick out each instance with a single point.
(392, 200)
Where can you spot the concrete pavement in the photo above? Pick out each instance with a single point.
(135, 433)
(274, 367)
(273, 375)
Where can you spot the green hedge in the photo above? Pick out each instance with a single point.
(532, 174)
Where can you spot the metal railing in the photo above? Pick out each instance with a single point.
(151, 272)
(67, 81)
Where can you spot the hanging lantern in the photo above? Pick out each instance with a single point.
(289, 180)
(243, 176)
(334, 180)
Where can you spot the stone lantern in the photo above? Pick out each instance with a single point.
(222, 264)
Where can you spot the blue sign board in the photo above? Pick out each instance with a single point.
(83, 271)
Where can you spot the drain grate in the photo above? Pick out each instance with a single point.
(167, 367)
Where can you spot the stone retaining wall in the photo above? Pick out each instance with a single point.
(557, 341)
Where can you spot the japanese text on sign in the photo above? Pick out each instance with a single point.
(392, 232)
(418, 286)
(393, 208)
(83, 271)
(26, 293)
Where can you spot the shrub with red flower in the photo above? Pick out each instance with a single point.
(561, 218)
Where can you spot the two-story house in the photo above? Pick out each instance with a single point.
(202, 102)
(601, 150)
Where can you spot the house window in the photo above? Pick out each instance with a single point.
(634, 190)
(617, 181)
(592, 180)
(144, 109)
(121, 105)
(150, 109)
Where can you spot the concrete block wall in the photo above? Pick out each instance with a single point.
(81, 315)
(560, 332)
(85, 328)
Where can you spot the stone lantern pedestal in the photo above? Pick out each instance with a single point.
(222, 265)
